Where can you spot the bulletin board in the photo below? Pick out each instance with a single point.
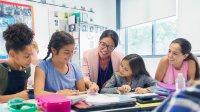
(11, 13)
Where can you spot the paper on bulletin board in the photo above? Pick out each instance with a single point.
(4, 21)
(11, 13)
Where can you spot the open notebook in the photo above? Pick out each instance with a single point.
(103, 99)
(100, 99)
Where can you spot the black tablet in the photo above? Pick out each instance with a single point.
(146, 97)
(150, 100)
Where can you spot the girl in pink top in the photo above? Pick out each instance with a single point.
(179, 60)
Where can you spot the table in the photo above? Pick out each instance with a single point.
(137, 108)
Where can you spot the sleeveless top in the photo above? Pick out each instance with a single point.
(12, 81)
(171, 74)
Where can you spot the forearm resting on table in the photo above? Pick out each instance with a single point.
(6, 98)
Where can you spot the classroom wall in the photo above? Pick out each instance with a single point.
(105, 15)
(151, 65)
(189, 22)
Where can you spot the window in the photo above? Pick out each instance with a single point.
(122, 41)
(151, 38)
(140, 39)
(165, 32)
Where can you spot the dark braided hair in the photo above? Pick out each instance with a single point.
(186, 49)
(17, 37)
(58, 40)
(136, 64)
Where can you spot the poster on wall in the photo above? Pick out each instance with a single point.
(11, 13)
(57, 21)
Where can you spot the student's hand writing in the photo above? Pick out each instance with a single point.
(23, 94)
(93, 88)
(141, 90)
(124, 88)
(68, 92)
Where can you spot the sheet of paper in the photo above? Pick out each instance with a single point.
(100, 99)
(134, 95)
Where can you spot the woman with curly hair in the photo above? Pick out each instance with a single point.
(16, 70)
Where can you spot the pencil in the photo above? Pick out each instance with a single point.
(83, 92)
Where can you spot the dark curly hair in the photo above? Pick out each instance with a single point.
(58, 40)
(17, 37)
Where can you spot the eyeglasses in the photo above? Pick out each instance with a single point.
(104, 45)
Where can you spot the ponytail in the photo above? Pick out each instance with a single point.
(192, 57)
(49, 51)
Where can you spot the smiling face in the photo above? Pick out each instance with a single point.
(125, 70)
(64, 54)
(175, 56)
(106, 46)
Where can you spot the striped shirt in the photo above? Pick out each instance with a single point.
(187, 100)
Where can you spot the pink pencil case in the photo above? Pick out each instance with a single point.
(54, 103)
(169, 87)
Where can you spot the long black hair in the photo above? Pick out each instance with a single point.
(136, 64)
(58, 40)
(186, 49)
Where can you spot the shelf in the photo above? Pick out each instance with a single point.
(61, 6)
